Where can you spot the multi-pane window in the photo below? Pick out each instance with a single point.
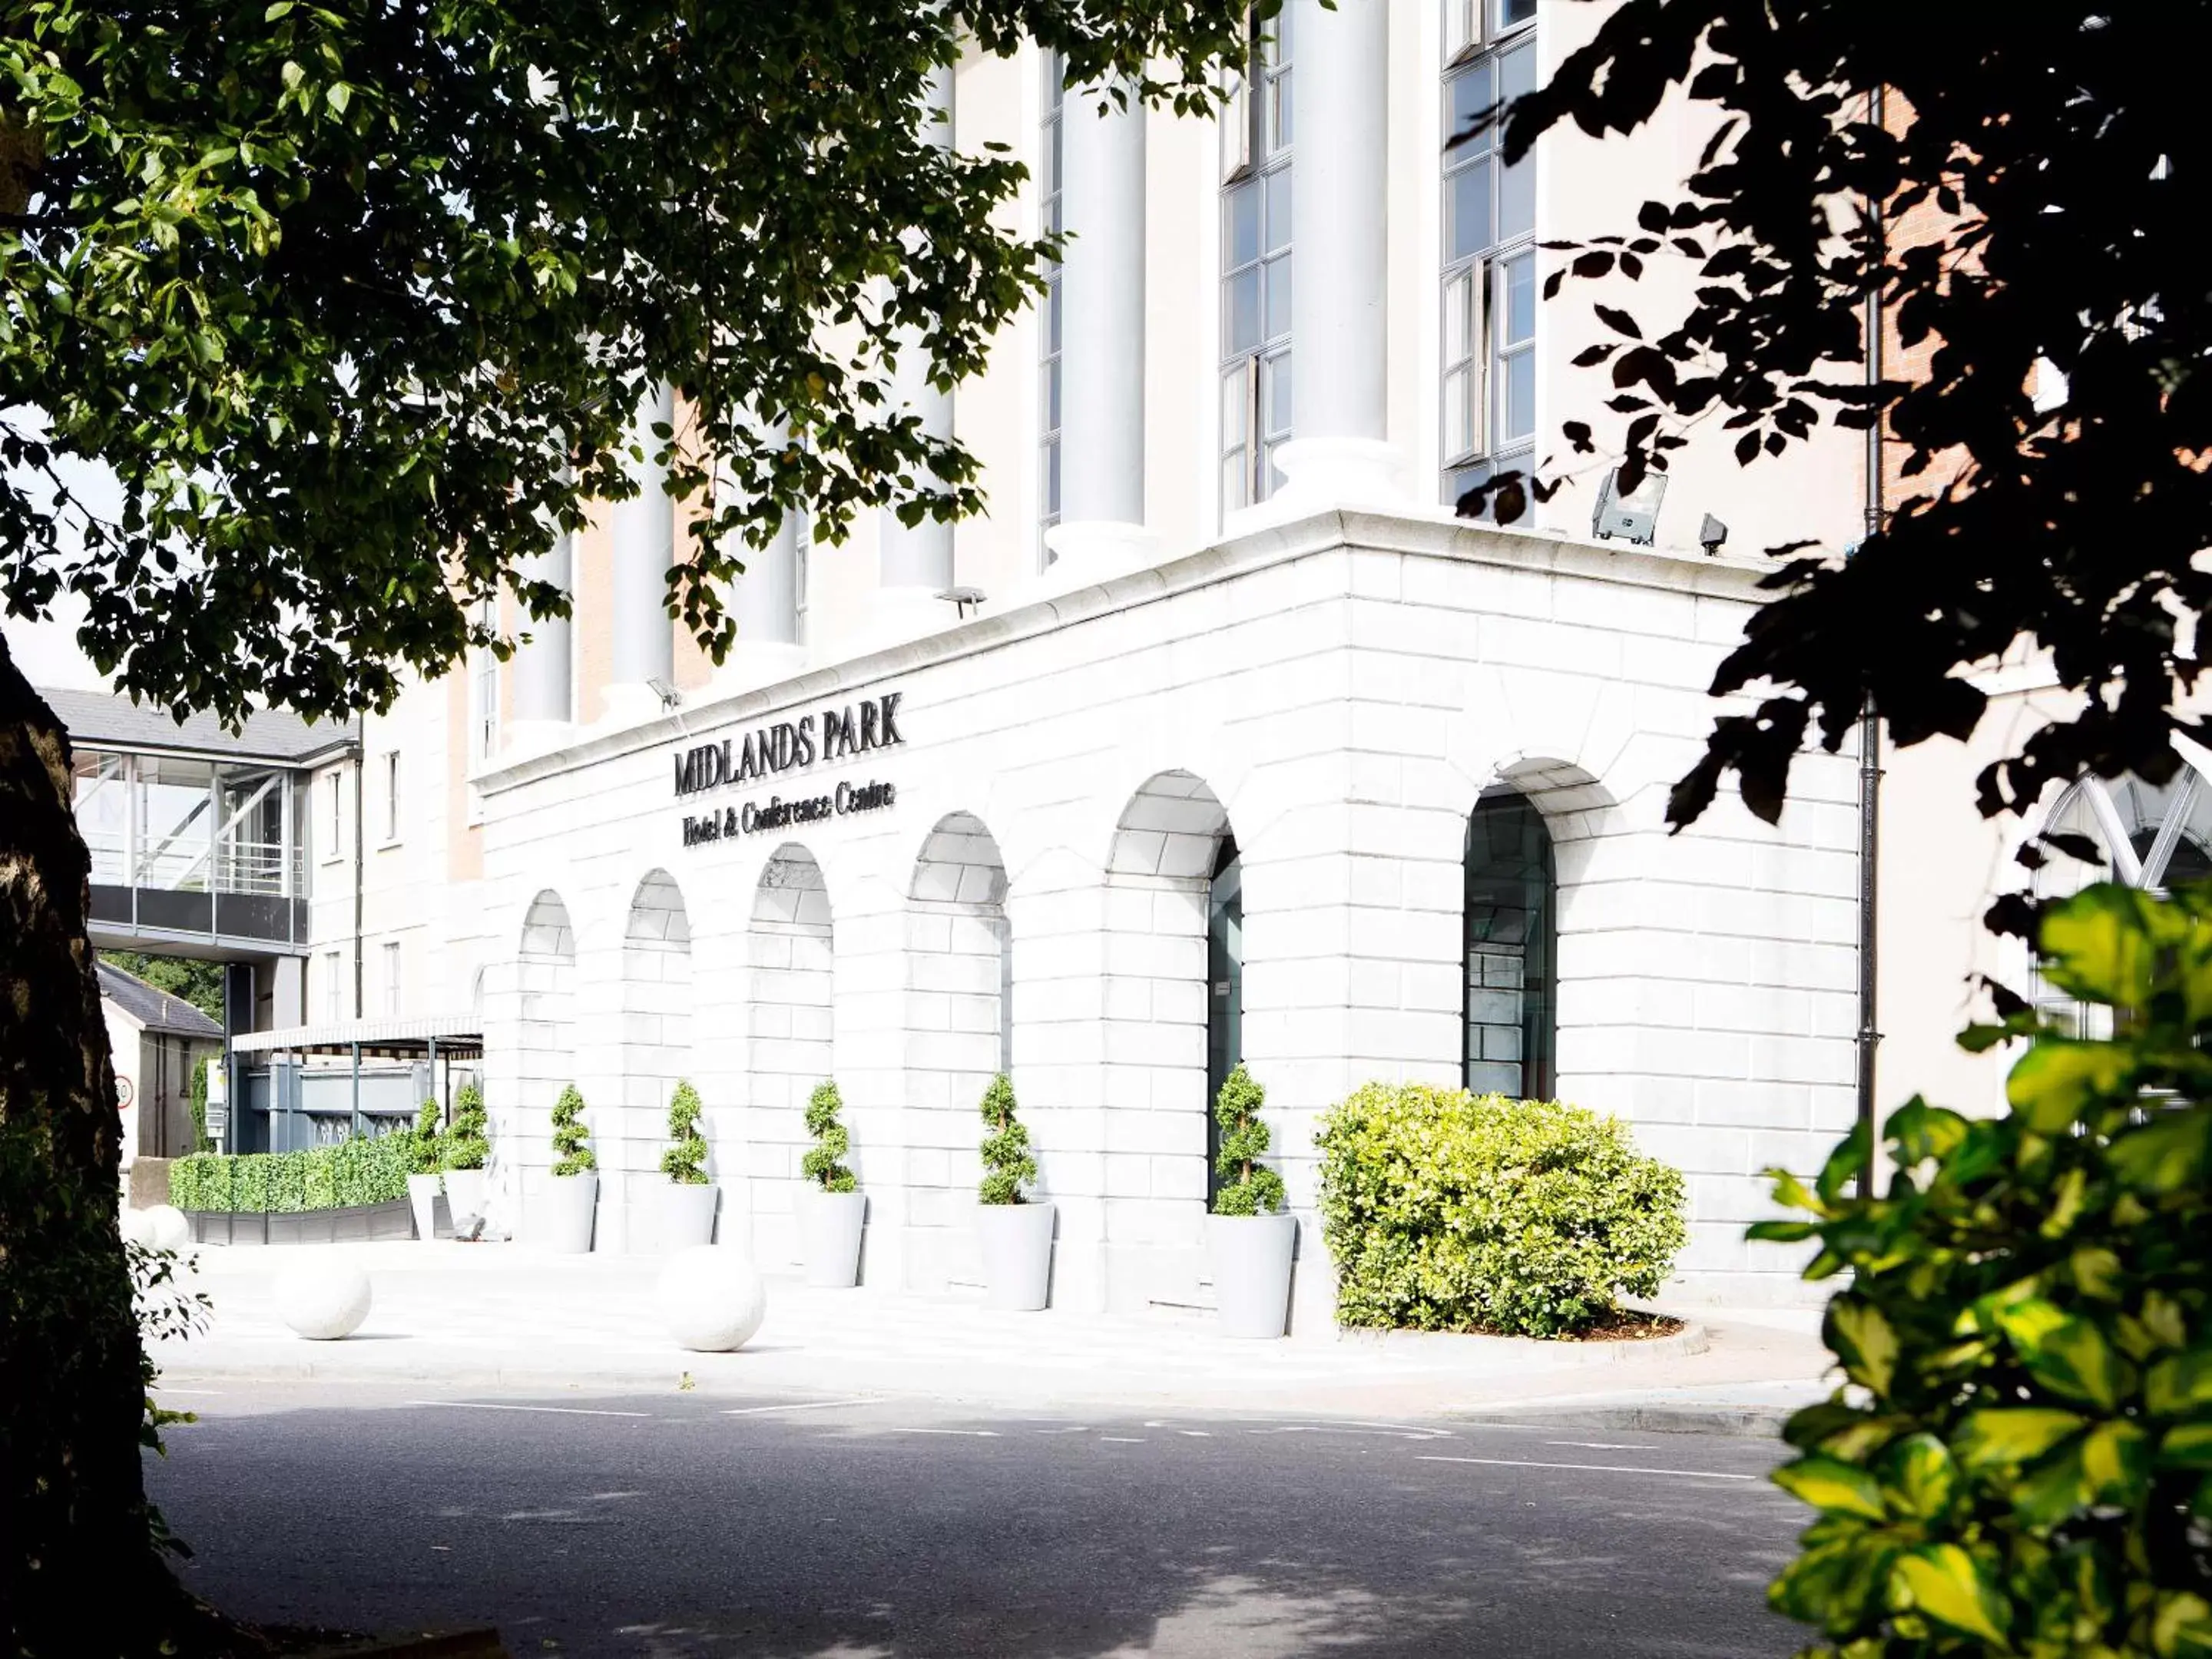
(1512, 947)
(332, 1004)
(1489, 248)
(1051, 152)
(392, 795)
(483, 693)
(392, 978)
(1255, 273)
(333, 814)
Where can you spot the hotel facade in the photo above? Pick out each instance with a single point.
(1218, 738)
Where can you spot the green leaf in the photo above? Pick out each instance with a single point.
(1918, 1477)
(2178, 1384)
(2166, 1154)
(2186, 1446)
(1865, 1340)
(1838, 1584)
(2059, 1078)
(1952, 1588)
(2066, 1354)
(1833, 1487)
(2006, 1437)
(2098, 946)
(2181, 1626)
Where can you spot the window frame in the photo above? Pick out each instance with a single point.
(392, 765)
(1476, 356)
(392, 965)
(1258, 135)
(1052, 163)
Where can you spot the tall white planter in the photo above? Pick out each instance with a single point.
(687, 1215)
(1015, 1241)
(566, 1212)
(423, 1199)
(464, 1196)
(1251, 1258)
(829, 1235)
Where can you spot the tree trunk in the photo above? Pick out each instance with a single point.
(82, 1573)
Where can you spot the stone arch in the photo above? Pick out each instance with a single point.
(655, 1044)
(545, 1050)
(958, 1029)
(790, 952)
(1173, 977)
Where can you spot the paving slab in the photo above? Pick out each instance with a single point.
(455, 1315)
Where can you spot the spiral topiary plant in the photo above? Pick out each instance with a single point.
(1008, 1165)
(1247, 1187)
(423, 1147)
(825, 1165)
(684, 1161)
(572, 1142)
(467, 1146)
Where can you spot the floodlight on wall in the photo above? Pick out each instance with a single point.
(668, 695)
(1712, 535)
(963, 598)
(1634, 516)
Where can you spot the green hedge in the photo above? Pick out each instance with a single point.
(368, 1169)
(1447, 1211)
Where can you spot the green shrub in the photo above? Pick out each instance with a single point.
(201, 1182)
(197, 1097)
(468, 1146)
(684, 1162)
(285, 1183)
(1247, 1186)
(369, 1169)
(423, 1150)
(1008, 1165)
(249, 1182)
(2021, 1467)
(571, 1139)
(1447, 1211)
(318, 1186)
(824, 1164)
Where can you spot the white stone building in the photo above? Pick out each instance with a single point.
(1250, 750)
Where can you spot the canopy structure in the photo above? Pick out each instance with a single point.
(422, 1037)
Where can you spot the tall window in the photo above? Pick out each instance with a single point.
(1224, 992)
(1490, 249)
(1512, 945)
(1049, 150)
(392, 977)
(1255, 273)
(333, 1002)
(333, 815)
(392, 795)
(484, 693)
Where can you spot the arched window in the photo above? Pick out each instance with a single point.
(1510, 937)
(2151, 835)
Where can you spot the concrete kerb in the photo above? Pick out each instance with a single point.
(1694, 1338)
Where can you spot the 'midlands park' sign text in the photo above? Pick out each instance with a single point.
(789, 746)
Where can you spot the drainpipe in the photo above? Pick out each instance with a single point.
(1869, 1032)
(358, 846)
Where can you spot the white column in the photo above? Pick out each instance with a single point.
(1340, 187)
(1102, 332)
(644, 552)
(915, 563)
(764, 605)
(542, 663)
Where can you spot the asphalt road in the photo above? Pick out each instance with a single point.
(681, 1525)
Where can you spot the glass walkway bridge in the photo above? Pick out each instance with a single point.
(198, 835)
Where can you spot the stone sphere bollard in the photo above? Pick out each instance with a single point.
(164, 1228)
(712, 1298)
(323, 1296)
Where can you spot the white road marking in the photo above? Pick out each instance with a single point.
(206, 1394)
(1195, 1434)
(1120, 1440)
(1073, 1428)
(1354, 1428)
(556, 1411)
(978, 1434)
(1604, 1445)
(1593, 1468)
(800, 1406)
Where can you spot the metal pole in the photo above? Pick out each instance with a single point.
(1869, 1031)
(356, 1088)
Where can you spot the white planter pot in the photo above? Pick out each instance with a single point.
(1015, 1241)
(1251, 1258)
(423, 1198)
(829, 1235)
(687, 1216)
(565, 1212)
(464, 1196)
